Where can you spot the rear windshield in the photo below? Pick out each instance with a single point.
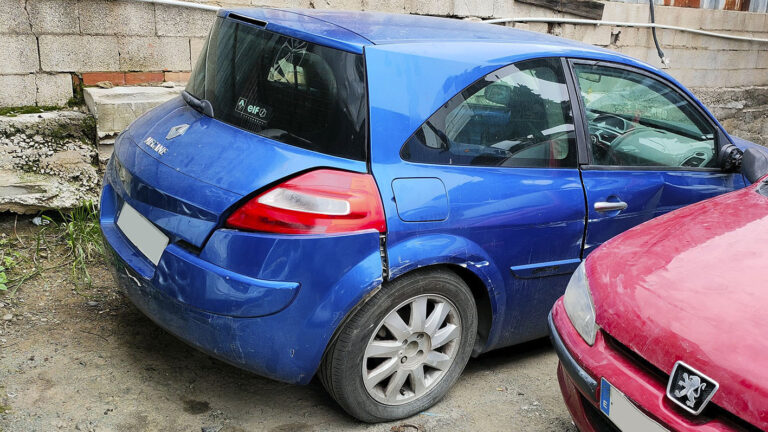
(282, 88)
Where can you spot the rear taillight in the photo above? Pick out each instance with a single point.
(318, 202)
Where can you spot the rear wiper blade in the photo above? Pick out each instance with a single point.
(201, 105)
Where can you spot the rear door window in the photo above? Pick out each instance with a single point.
(518, 116)
(286, 89)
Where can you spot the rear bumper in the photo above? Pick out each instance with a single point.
(216, 301)
(582, 366)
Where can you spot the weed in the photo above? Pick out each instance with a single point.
(77, 232)
(3, 279)
(80, 231)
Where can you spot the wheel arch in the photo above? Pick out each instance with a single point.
(485, 315)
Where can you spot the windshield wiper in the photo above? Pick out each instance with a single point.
(201, 105)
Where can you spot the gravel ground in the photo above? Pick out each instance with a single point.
(87, 360)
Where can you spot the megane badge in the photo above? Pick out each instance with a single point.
(690, 388)
(177, 131)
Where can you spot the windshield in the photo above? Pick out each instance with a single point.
(285, 89)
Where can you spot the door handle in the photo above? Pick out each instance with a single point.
(606, 206)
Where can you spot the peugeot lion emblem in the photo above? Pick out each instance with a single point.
(177, 131)
(690, 388)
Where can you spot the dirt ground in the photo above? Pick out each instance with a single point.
(84, 359)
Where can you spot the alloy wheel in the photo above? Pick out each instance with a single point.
(412, 349)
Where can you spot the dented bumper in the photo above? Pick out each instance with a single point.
(267, 304)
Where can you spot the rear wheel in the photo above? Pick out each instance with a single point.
(401, 352)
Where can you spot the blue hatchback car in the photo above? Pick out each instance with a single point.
(374, 198)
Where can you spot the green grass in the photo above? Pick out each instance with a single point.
(80, 231)
(14, 111)
(71, 239)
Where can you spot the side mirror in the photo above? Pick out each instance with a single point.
(730, 157)
(754, 164)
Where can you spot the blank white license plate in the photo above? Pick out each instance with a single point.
(142, 233)
(623, 413)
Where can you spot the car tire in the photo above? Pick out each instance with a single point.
(423, 359)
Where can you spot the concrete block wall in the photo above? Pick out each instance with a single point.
(43, 43)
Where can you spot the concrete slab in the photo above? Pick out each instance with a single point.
(47, 160)
(118, 107)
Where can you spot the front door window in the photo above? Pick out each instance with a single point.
(638, 121)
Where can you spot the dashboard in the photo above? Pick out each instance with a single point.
(618, 141)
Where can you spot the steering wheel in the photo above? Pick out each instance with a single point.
(606, 118)
(614, 125)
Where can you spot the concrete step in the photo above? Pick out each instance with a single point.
(47, 160)
(115, 108)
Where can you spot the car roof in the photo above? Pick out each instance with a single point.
(352, 31)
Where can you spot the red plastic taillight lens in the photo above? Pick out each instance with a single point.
(318, 202)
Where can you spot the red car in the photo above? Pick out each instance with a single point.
(666, 326)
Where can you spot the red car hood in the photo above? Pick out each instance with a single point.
(693, 286)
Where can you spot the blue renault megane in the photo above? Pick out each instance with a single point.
(374, 198)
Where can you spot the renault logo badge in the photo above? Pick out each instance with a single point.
(177, 131)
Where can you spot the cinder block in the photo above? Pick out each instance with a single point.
(503, 9)
(643, 38)
(54, 16)
(477, 8)
(691, 17)
(280, 3)
(684, 76)
(736, 59)
(598, 35)
(13, 17)
(24, 92)
(682, 39)
(429, 7)
(53, 89)
(627, 36)
(717, 78)
(762, 59)
(638, 13)
(180, 21)
(521, 26)
(666, 37)
(635, 52)
(339, 4)
(756, 22)
(102, 17)
(615, 11)
(18, 54)
(523, 10)
(595, 35)
(753, 77)
(702, 58)
(154, 53)
(538, 27)
(669, 15)
(396, 6)
(196, 46)
(733, 21)
(69, 53)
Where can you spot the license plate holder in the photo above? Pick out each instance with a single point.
(623, 412)
(142, 233)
